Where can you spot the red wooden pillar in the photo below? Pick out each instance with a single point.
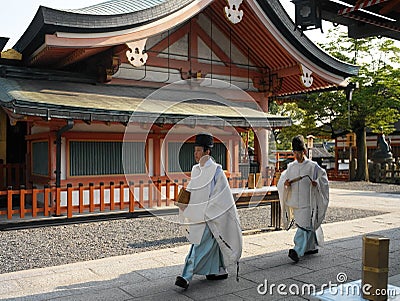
(141, 194)
(34, 201)
(235, 154)
(81, 201)
(336, 157)
(112, 189)
(47, 196)
(9, 203)
(121, 195)
(102, 201)
(131, 197)
(91, 197)
(69, 200)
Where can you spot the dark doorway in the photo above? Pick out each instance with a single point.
(16, 153)
(16, 144)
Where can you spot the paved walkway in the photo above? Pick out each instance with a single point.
(151, 275)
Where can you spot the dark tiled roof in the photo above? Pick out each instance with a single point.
(116, 7)
(277, 14)
(320, 152)
(3, 42)
(83, 101)
(49, 21)
(116, 15)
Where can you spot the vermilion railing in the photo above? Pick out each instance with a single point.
(93, 198)
(72, 201)
(342, 175)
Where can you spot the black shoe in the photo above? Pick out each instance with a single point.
(217, 277)
(181, 282)
(293, 255)
(311, 252)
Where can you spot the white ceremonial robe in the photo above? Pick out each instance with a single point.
(307, 203)
(215, 208)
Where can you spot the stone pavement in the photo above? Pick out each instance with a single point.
(264, 266)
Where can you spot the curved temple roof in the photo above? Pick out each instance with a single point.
(110, 103)
(93, 19)
(116, 22)
(116, 7)
(282, 21)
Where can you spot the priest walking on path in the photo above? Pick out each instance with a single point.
(304, 196)
(211, 219)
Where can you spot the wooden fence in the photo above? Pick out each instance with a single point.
(23, 203)
(72, 201)
(342, 175)
(69, 201)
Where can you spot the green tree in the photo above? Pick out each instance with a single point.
(375, 104)
(301, 124)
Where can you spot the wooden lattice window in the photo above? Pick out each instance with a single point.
(40, 158)
(185, 159)
(106, 158)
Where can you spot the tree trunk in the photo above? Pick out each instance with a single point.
(362, 159)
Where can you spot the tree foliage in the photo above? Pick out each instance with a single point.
(375, 104)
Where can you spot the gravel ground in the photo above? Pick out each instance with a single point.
(366, 186)
(56, 245)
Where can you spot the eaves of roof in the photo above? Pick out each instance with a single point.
(276, 13)
(49, 20)
(377, 18)
(3, 42)
(88, 102)
(320, 152)
(116, 7)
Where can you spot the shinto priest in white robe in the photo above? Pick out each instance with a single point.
(306, 202)
(212, 205)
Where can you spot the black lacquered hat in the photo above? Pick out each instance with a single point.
(205, 140)
(298, 143)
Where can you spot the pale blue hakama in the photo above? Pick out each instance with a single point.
(304, 240)
(206, 257)
(307, 204)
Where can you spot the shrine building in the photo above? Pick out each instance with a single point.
(116, 91)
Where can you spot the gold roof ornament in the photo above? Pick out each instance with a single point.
(11, 54)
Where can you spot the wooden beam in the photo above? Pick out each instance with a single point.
(173, 38)
(360, 5)
(205, 68)
(389, 7)
(289, 71)
(36, 56)
(372, 22)
(213, 46)
(235, 39)
(75, 56)
(193, 42)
